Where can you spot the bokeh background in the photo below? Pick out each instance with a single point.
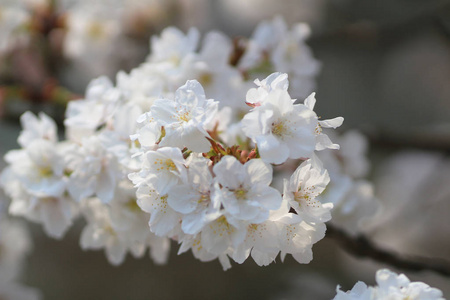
(385, 68)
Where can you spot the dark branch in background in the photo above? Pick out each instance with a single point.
(387, 32)
(361, 246)
(433, 140)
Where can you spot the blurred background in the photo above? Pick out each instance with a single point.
(385, 68)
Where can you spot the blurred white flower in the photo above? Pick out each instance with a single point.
(390, 286)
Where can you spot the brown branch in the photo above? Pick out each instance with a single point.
(361, 246)
(431, 139)
(371, 32)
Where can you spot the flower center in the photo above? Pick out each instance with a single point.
(240, 194)
(307, 196)
(291, 50)
(45, 172)
(165, 165)
(204, 199)
(205, 79)
(279, 128)
(132, 205)
(96, 30)
(175, 59)
(318, 129)
(183, 116)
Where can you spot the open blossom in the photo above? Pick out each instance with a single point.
(280, 128)
(161, 169)
(95, 171)
(297, 237)
(184, 118)
(173, 45)
(390, 286)
(163, 218)
(100, 232)
(36, 182)
(84, 117)
(42, 127)
(221, 81)
(195, 197)
(308, 181)
(120, 227)
(273, 47)
(353, 197)
(261, 242)
(275, 81)
(194, 242)
(322, 140)
(90, 31)
(245, 193)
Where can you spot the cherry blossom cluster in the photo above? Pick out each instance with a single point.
(89, 35)
(103, 36)
(352, 195)
(390, 286)
(218, 201)
(183, 148)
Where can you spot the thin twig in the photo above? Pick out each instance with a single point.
(361, 246)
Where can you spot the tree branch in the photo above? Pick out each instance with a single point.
(361, 246)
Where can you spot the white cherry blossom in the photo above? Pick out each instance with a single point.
(184, 118)
(322, 140)
(163, 219)
(280, 128)
(307, 182)
(275, 81)
(173, 45)
(161, 169)
(95, 171)
(195, 198)
(390, 286)
(245, 192)
(42, 127)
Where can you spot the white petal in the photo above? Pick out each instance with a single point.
(259, 171)
(332, 123)
(310, 101)
(183, 199)
(270, 149)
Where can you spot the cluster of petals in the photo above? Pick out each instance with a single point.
(352, 195)
(224, 208)
(390, 286)
(137, 165)
(229, 209)
(35, 179)
(281, 128)
(53, 182)
(275, 47)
